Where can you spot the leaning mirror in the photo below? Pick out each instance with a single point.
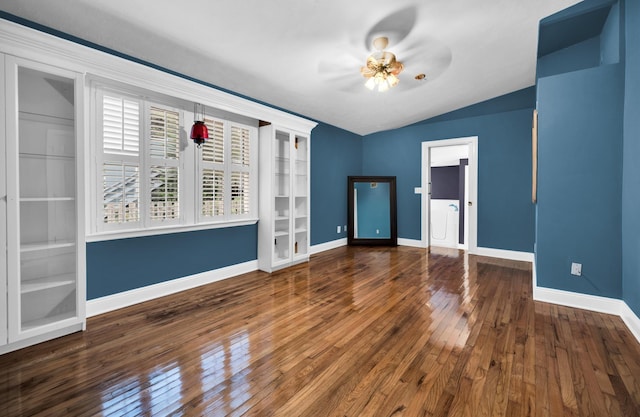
(372, 211)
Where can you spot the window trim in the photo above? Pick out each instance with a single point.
(190, 187)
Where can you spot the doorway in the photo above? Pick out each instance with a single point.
(449, 193)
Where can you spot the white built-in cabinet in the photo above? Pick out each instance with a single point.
(284, 225)
(42, 208)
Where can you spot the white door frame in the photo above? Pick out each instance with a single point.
(472, 204)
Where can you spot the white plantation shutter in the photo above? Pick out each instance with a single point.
(212, 171)
(121, 193)
(120, 128)
(164, 193)
(164, 156)
(164, 133)
(240, 146)
(240, 201)
(212, 192)
(213, 148)
(240, 170)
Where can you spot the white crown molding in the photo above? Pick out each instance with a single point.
(127, 298)
(321, 247)
(32, 44)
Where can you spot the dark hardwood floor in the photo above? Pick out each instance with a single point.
(355, 332)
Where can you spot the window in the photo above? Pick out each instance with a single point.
(150, 175)
(120, 124)
(212, 171)
(164, 158)
(240, 164)
(225, 170)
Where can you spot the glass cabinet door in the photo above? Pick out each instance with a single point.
(301, 201)
(44, 237)
(3, 212)
(282, 196)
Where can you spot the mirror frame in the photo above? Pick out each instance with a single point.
(393, 219)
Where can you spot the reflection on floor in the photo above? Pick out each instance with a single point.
(355, 332)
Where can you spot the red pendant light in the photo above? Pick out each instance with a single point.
(199, 131)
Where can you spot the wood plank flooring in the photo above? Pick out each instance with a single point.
(384, 332)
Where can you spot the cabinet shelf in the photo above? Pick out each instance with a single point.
(47, 156)
(33, 324)
(280, 234)
(45, 199)
(40, 246)
(40, 284)
(301, 230)
(279, 218)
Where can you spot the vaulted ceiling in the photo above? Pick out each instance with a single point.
(305, 55)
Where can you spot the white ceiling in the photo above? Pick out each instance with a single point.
(305, 55)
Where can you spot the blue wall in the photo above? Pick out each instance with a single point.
(580, 162)
(335, 155)
(505, 211)
(579, 181)
(631, 170)
(610, 38)
(585, 54)
(114, 266)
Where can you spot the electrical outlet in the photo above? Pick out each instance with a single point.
(338, 230)
(377, 231)
(576, 269)
(345, 228)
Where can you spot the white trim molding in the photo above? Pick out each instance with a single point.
(589, 302)
(128, 298)
(321, 247)
(573, 299)
(412, 242)
(631, 320)
(504, 254)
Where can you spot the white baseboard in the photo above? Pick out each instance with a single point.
(411, 242)
(505, 254)
(573, 299)
(631, 320)
(590, 302)
(124, 299)
(321, 247)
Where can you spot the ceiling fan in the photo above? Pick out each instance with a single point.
(382, 68)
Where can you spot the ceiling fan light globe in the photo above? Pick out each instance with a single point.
(393, 80)
(380, 43)
(383, 86)
(371, 83)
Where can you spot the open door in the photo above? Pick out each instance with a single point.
(446, 205)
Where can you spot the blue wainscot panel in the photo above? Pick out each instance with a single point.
(120, 265)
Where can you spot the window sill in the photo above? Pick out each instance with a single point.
(152, 231)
